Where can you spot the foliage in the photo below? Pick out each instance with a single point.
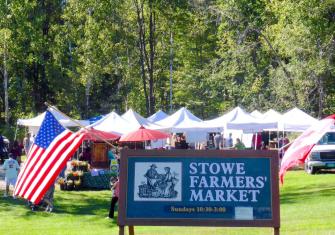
(91, 57)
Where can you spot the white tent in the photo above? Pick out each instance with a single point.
(37, 121)
(34, 123)
(114, 123)
(249, 124)
(137, 120)
(221, 122)
(184, 121)
(256, 114)
(296, 120)
(272, 115)
(159, 115)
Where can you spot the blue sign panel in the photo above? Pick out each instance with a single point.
(236, 188)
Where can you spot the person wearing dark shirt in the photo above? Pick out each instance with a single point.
(86, 155)
(16, 151)
(183, 143)
(151, 175)
(257, 141)
(3, 150)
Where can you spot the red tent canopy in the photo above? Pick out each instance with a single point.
(143, 134)
(94, 135)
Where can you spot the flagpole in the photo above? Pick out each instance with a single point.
(79, 124)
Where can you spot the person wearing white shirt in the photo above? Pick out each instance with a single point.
(11, 167)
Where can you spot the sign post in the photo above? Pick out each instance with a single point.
(199, 188)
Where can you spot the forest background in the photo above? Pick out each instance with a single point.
(90, 57)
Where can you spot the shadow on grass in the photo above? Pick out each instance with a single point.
(9, 201)
(305, 193)
(86, 203)
(75, 203)
(84, 206)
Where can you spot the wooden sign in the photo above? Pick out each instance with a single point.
(199, 188)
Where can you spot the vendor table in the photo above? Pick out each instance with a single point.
(99, 180)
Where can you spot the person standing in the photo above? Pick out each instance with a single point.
(256, 141)
(3, 150)
(86, 155)
(49, 198)
(217, 140)
(11, 168)
(113, 162)
(16, 151)
(168, 181)
(229, 141)
(27, 143)
(115, 198)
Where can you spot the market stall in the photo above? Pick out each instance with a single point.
(93, 169)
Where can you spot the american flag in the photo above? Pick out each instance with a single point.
(301, 147)
(48, 155)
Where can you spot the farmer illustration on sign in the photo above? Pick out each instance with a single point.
(159, 185)
(151, 176)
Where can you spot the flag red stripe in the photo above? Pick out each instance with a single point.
(43, 158)
(47, 160)
(54, 172)
(36, 158)
(52, 158)
(23, 171)
(33, 158)
(297, 153)
(301, 154)
(36, 162)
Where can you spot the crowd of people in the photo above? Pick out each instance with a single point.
(220, 142)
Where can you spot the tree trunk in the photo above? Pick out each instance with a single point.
(5, 83)
(141, 46)
(87, 95)
(36, 90)
(45, 54)
(152, 28)
(280, 62)
(321, 96)
(171, 68)
(5, 78)
(320, 80)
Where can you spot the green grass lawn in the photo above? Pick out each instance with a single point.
(307, 207)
